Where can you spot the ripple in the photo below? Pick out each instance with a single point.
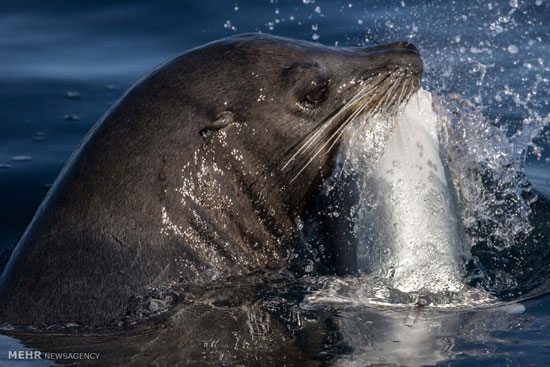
(21, 158)
(71, 117)
(375, 293)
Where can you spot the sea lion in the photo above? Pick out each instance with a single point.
(197, 173)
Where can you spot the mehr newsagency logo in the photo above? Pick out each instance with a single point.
(36, 354)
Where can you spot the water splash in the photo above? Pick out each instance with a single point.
(405, 224)
(416, 195)
(487, 167)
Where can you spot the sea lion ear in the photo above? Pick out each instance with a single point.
(223, 119)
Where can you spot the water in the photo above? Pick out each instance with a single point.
(405, 219)
(65, 63)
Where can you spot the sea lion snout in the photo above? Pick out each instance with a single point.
(402, 54)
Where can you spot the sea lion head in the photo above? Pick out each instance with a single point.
(290, 101)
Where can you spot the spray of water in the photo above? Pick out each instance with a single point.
(419, 191)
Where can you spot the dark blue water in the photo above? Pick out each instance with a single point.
(63, 63)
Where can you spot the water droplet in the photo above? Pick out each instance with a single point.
(513, 49)
(227, 24)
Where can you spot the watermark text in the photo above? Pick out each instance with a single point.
(36, 354)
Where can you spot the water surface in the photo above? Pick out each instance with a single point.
(64, 63)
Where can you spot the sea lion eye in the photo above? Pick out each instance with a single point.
(316, 95)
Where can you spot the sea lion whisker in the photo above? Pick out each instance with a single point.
(335, 136)
(344, 125)
(302, 145)
(360, 106)
(338, 132)
(311, 140)
(390, 103)
(382, 101)
(340, 128)
(410, 87)
(402, 87)
(323, 126)
(404, 91)
(352, 145)
(319, 131)
(313, 156)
